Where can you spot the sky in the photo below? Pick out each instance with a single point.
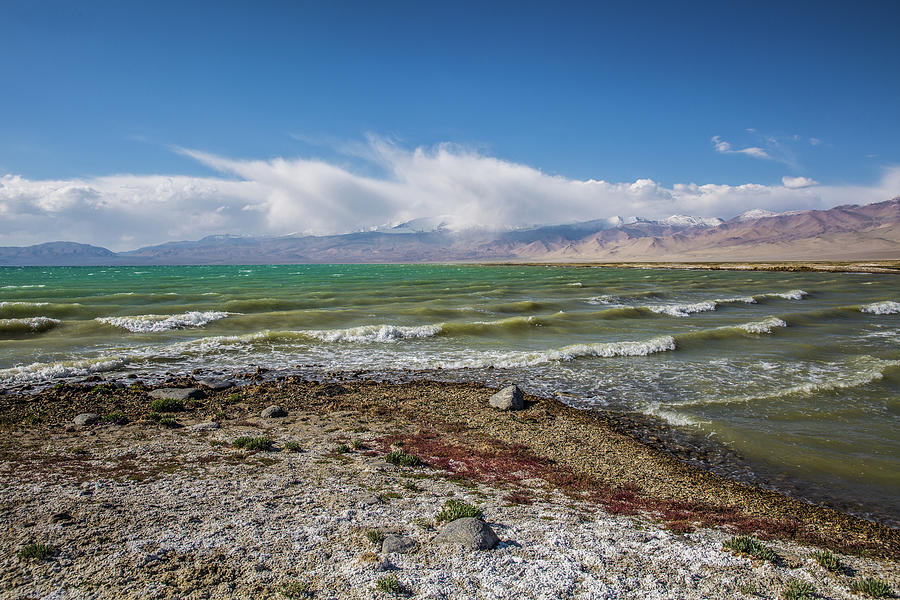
(125, 124)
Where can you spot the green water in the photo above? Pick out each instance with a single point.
(799, 372)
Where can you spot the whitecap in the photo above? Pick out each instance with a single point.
(37, 372)
(374, 333)
(682, 310)
(31, 324)
(764, 326)
(888, 307)
(157, 323)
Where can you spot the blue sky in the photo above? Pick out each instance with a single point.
(701, 93)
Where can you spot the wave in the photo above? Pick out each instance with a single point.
(764, 326)
(157, 323)
(374, 333)
(682, 310)
(507, 360)
(38, 372)
(477, 327)
(36, 309)
(29, 325)
(15, 287)
(790, 295)
(888, 307)
(860, 371)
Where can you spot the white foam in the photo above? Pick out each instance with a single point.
(764, 326)
(888, 307)
(575, 284)
(13, 287)
(790, 295)
(604, 299)
(738, 300)
(5, 304)
(34, 324)
(683, 310)
(157, 323)
(37, 372)
(374, 333)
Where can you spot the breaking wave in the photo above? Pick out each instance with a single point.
(682, 310)
(30, 325)
(888, 307)
(38, 372)
(374, 333)
(764, 326)
(157, 323)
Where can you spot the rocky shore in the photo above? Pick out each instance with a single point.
(870, 266)
(301, 489)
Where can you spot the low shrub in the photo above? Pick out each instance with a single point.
(390, 585)
(744, 545)
(166, 405)
(871, 587)
(293, 447)
(457, 509)
(252, 443)
(829, 561)
(375, 536)
(795, 589)
(297, 589)
(401, 458)
(36, 552)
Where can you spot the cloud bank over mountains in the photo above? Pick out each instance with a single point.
(297, 195)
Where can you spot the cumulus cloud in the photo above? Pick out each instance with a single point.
(299, 195)
(797, 182)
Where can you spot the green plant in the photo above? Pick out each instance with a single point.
(744, 545)
(401, 458)
(166, 405)
(390, 585)
(342, 449)
(293, 447)
(748, 589)
(457, 509)
(163, 420)
(297, 589)
(829, 561)
(795, 589)
(375, 536)
(233, 398)
(37, 551)
(357, 445)
(871, 587)
(252, 443)
(117, 418)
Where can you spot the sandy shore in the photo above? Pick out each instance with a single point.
(138, 509)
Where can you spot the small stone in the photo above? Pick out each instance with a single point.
(397, 543)
(370, 500)
(468, 532)
(216, 384)
(178, 393)
(204, 426)
(509, 398)
(85, 419)
(385, 565)
(61, 517)
(273, 411)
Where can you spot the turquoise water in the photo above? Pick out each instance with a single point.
(797, 371)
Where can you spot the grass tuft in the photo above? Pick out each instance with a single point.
(36, 551)
(293, 447)
(401, 458)
(795, 589)
(116, 418)
(252, 443)
(390, 585)
(297, 589)
(341, 449)
(871, 587)
(162, 405)
(375, 536)
(744, 545)
(457, 509)
(829, 561)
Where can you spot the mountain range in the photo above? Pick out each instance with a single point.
(850, 232)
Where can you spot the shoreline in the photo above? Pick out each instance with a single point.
(873, 266)
(147, 504)
(603, 447)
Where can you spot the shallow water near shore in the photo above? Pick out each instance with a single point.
(798, 372)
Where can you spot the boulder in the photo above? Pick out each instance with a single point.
(509, 398)
(397, 543)
(273, 411)
(204, 426)
(178, 393)
(216, 384)
(85, 419)
(468, 532)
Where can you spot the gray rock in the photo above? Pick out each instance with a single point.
(205, 426)
(397, 543)
(273, 412)
(85, 419)
(216, 384)
(385, 565)
(468, 532)
(370, 500)
(178, 393)
(509, 398)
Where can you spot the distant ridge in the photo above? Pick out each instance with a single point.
(850, 232)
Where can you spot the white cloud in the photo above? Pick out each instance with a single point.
(724, 147)
(797, 182)
(281, 196)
